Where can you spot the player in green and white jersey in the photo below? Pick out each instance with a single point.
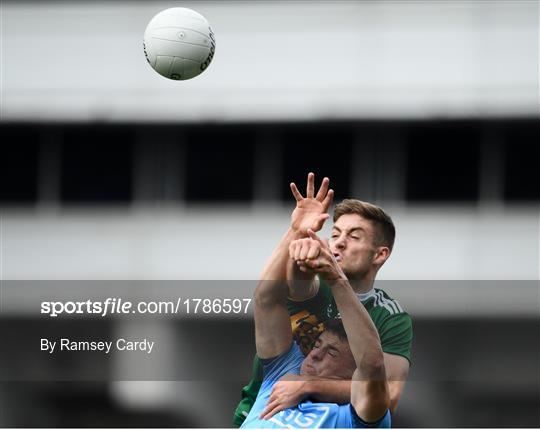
(362, 240)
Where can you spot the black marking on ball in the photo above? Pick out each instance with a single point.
(212, 50)
(145, 53)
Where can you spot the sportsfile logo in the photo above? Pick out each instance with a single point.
(212, 50)
(119, 306)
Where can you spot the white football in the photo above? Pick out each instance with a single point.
(179, 43)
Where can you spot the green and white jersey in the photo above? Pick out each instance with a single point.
(393, 324)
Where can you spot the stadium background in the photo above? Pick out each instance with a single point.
(110, 172)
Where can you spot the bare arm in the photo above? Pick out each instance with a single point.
(272, 324)
(273, 334)
(397, 370)
(396, 367)
(369, 388)
(310, 213)
(302, 285)
(332, 391)
(291, 390)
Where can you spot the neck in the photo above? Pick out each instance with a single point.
(362, 285)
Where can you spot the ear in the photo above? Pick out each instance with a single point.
(382, 254)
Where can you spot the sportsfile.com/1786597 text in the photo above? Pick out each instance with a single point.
(119, 306)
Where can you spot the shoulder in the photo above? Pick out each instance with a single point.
(388, 306)
(393, 323)
(288, 362)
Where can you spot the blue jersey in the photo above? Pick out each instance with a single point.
(306, 414)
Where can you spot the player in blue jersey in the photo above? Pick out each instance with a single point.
(353, 352)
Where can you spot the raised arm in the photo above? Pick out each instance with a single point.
(272, 324)
(273, 334)
(369, 388)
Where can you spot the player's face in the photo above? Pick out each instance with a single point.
(353, 245)
(330, 357)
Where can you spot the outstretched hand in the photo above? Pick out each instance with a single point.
(311, 211)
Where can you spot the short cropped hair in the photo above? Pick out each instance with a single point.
(335, 326)
(383, 223)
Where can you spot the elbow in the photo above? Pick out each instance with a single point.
(372, 367)
(374, 404)
(259, 297)
(370, 398)
(266, 295)
(370, 395)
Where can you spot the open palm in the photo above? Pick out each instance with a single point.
(311, 211)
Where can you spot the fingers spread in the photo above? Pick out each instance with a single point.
(310, 190)
(323, 190)
(295, 192)
(328, 200)
(322, 218)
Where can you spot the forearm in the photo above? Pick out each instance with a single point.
(271, 289)
(272, 324)
(361, 332)
(395, 389)
(329, 390)
(369, 388)
(273, 333)
(339, 391)
(276, 267)
(301, 285)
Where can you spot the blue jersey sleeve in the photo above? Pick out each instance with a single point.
(288, 362)
(357, 422)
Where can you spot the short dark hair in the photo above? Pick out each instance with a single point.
(371, 212)
(335, 326)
